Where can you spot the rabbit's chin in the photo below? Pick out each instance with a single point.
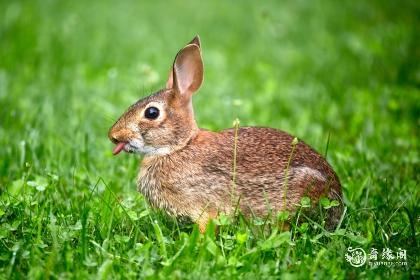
(137, 146)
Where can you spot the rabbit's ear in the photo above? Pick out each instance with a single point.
(196, 41)
(187, 72)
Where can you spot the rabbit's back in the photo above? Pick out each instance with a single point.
(267, 173)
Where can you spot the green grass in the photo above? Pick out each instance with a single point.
(347, 71)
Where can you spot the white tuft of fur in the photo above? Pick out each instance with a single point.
(304, 171)
(152, 151)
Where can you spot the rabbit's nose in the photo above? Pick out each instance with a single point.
(113, 136)
(113, 139)
(118, 135)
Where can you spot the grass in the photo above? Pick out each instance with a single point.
(342, 74)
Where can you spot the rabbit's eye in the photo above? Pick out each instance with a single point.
(151, 113)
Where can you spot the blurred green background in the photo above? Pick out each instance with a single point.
(343, 70)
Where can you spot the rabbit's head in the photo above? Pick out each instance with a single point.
(164, 121)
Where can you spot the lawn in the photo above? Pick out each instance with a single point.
(341, 75)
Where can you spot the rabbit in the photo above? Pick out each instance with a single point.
(197, 174)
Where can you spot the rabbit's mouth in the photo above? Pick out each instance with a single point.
(132, 146)
(137, 146)
(128, 147)
(120, 146)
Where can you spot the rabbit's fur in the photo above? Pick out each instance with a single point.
(190, 172)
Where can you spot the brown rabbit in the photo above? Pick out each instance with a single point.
(196, 173)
